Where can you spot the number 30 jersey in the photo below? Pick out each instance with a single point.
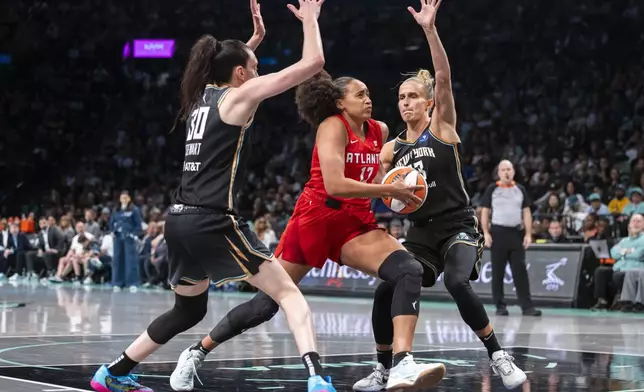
(361, 161)
(439, 163)
(216, 156)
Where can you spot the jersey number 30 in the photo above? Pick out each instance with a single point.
(366, 173)
(198, 120)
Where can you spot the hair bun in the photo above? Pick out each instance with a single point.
(426, 77)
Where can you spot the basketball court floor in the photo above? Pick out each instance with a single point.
(56, 341)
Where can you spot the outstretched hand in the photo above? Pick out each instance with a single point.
(308, 8)
(259, 30)
(426, 17)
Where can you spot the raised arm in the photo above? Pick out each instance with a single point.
(445, 108)
(250, 94)
(259, 31)
(331, 142)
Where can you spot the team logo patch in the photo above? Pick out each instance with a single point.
(463, 237)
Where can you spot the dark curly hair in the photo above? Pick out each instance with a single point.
(317, 98)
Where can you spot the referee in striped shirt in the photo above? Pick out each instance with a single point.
(508, 237)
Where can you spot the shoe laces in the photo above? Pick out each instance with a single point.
(503, 364)
(190, 366)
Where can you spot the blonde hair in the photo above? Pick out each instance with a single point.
(425, 78)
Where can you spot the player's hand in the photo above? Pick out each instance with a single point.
(488, 239)
(308, 9)
(426, 17)
(527, 241)
(259, 30)
(405, 193)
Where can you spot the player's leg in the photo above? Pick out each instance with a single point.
(462, 255)
(191, 303)
(381, 322)
(247, 258)
(379, 254)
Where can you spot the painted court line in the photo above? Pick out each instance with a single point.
(61, 387)
(244, 359)
(583, 351)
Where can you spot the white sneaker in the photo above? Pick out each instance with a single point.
(88, 280)
(182, 378)
(14, 278)
(411, 376)
(376, 381)
(503, 365)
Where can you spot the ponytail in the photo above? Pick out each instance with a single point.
(211, 61)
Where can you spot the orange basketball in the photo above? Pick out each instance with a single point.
(410, 176)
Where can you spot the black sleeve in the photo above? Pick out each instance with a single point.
(486, 201)
(526, 198)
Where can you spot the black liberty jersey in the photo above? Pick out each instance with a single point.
(439, 163)
(216, 156)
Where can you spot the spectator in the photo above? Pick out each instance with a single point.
(91, 226)
(264, 232)
(596, 206)
(551, 208)
(66, 228)
(126, 226)
(556, 234)
(632, 295)
(619, 202)
(575, 213)
(589, 230)
(50, 247)
(104, 221)
(628, 255)
(73, 259)
(4, 244)
(16, 251)
(635, 206)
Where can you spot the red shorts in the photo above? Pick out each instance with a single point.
(317, 232)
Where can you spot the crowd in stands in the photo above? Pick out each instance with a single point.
(551, 87)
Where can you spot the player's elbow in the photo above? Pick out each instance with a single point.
(314, 64)
(333, 187)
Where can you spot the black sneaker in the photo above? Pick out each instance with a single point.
(601, 304)
(532, 312)
(502, 312)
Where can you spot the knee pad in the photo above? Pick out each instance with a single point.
(258, 310)
(381, 320)
(401, 270)
(186, 313)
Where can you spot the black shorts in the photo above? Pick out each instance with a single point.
(429, 241)
(216, 246)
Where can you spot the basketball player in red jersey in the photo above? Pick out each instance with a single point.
(333, 220)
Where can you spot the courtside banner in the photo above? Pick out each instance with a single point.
(553, 272)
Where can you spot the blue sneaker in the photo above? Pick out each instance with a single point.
(103, 381)
(319, 384)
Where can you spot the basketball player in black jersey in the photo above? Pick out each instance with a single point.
(206, 238)
(445, 236)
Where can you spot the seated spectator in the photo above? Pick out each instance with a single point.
(575, 213)
(51, 245)
(539, 230)
(602, 231)
(619, 202)
(589, 230)
(596, 206)
(91, 251)
(635, 206)
(264, 232)
(74, 256)
(551, 208)
(16, 251)
(632, 296)
(628, 255)
(556, 234)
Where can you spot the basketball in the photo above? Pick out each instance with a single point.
(410, 176)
